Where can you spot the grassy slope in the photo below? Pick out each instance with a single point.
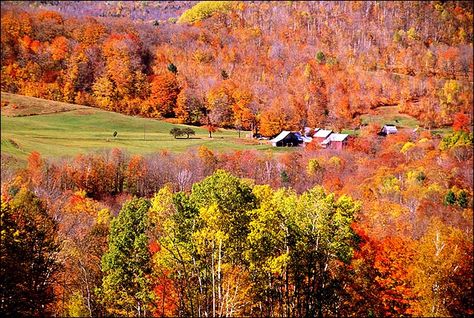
(19, 105)
(391, 115)
(90, 129)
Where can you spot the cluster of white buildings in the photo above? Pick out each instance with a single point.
(326, 138)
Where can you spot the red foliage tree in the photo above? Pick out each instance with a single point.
(461, 122)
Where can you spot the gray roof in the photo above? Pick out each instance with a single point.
(322, 133)
(390, 129)
(280, 136)
(334, 137)
(338, 137)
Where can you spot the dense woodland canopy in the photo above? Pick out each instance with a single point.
(259, 65)
(383, 228)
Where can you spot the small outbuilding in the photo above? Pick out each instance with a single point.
(388, 130)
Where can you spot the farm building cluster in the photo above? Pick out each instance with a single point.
(327, 139)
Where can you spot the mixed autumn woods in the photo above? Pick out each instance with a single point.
(383, 228)
(265, 66)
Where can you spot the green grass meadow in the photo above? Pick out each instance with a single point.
(62, 130)
(79, 131)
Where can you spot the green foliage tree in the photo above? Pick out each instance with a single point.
(126, 287)
(323, 226)
(450, 198)
(320, 57)
(231, 198)
(285, 178)
(176, 132)
(421, 176)
(269, 246)
(28, 252)
(300, 241)
(220, 237)
(463, 199)
(173, 217)
(188, 131)
(203, 237)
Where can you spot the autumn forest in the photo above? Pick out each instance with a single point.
(381, 227)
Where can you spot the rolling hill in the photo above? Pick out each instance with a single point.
(60, 129)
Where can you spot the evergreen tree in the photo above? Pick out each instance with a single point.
(463, 200)
(450, 198)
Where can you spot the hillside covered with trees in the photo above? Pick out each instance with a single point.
(260, 65)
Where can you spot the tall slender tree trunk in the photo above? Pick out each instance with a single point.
(219, 279)
(287, 287)
(186, 276)
(213, 283)
(201, 292)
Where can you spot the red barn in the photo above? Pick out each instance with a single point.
(335, 141)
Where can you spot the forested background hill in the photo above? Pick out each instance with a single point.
(260, 65)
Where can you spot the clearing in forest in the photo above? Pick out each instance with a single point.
(81, 129)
